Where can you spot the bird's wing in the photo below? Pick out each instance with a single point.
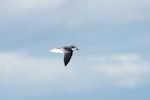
(67, 57)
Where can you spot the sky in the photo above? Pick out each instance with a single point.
(113, 58)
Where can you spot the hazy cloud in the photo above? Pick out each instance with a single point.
(74, 13)
(83, 73)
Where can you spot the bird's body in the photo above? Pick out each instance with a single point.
(67, 50)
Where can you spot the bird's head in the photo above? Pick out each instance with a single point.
(74, 47)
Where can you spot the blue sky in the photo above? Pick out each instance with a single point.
(113, 38)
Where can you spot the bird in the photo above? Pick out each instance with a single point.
(67, 51)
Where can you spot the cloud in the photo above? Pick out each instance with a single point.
(29, 5)
(85, 73)
(121, 70)
(21, 10)
(74, 13)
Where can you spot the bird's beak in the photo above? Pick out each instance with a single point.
(77, 49)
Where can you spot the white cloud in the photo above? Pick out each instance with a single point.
(21, 69)
(29, 5)
(125, 57)
(74, 13)
(21, 10)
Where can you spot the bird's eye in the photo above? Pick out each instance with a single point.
(73, 47)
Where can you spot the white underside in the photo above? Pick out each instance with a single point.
(56, 51)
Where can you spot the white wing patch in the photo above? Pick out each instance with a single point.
(56, 50)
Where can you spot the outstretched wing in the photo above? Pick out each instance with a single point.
(67, 57)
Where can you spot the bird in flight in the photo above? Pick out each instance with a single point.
(67, 51)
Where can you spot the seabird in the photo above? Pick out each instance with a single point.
(67, 51)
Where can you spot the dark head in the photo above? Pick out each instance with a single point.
(73, 47)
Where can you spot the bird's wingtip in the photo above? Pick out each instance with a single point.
(65, 64)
